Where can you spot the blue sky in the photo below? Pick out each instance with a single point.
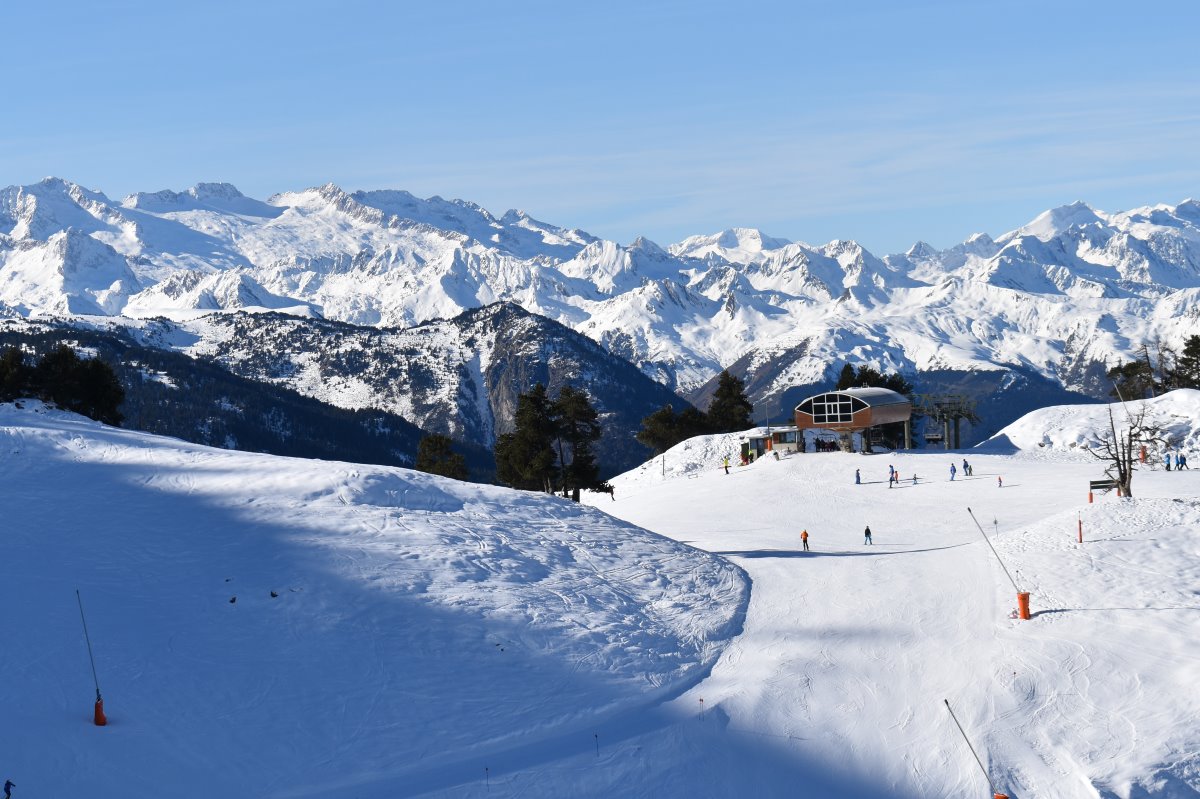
(883, 122)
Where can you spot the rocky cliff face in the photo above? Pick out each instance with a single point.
(460, 376)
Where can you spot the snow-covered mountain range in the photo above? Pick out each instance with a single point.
(1047, 305)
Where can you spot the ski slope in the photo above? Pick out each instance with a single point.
(422, 627)
(440, 639)
(848, 650)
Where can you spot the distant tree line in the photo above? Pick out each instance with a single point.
(728, 412)
(86, 386)
(1154, 372)
(195, 399)
(868, 377)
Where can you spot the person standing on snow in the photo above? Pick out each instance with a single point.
(804, 539)
(726, 464)
(8, 786)
(857, 477)
(1167, 461)
(867, 536)
(953, 471)
(999, 481)
(1182, 463)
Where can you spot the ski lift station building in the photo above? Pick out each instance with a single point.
(856, 410)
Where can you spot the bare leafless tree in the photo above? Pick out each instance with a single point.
(1122, 449)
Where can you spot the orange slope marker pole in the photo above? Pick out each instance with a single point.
(1022, 596)
(995, 794)
(98, 717)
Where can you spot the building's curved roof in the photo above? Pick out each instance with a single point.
(874, 397)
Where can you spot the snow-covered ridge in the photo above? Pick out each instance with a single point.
(1074, 428)
(681, 312)
(321, 626)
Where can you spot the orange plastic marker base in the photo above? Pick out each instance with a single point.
(1023, 605)
(1089, 496)
(1000, 796)
(100, 719)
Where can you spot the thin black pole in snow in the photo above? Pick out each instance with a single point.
(596, 735)
(487, 779)
(88, 639)
(986, 776)
(994, 552)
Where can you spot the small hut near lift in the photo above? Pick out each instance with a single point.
(855, 410)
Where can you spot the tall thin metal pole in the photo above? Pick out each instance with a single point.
(994, 552)
(87, 638)
(986, 776)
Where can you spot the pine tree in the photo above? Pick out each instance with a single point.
(845, 378)
(1187, 368)
(1133, 380)
(435, 455)
(98, 392)
(664, 428)
(729, 410)
(525, 458)
(578, 431)
(86, 387)
(14, 375)
(659, 429)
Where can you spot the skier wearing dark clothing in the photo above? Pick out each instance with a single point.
(8, 786)
(867, 536)
(857, 477)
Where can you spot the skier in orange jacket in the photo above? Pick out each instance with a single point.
(804, 539)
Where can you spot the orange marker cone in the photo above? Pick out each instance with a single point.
(1023, 605)
(100, 719)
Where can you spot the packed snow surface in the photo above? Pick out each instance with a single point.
(420, 628)
(849, 650)
(439, 639)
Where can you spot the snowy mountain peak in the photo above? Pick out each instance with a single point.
(1056, 221)
(737, 244)
(643, 245)
(921, 250)
(215, 191)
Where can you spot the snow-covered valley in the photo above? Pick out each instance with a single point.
(437, 638)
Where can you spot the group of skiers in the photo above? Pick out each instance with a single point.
(967, 469)
(893, 477)
(1180, 461)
